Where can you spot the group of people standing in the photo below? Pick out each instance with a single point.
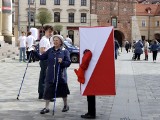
(154, 48)
(26, 42)
(140, 47)
(54, 61)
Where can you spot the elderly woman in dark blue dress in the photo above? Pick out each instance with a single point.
(56, 56)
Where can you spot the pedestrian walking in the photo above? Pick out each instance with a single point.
(138, 50)
(154, 49)
(56, 55)
(22, 47)
(146, 46)
(127, 46)
(116, 46)
(30, 42)
(44, 45)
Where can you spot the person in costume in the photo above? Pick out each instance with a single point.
(91, 99)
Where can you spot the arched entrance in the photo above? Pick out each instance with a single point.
(71, 35)
(119, 36)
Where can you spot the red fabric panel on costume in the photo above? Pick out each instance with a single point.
(102, 81)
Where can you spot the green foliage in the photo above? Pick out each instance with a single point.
(58, 27)
(44, 17)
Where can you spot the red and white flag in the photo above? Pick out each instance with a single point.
(100, 75)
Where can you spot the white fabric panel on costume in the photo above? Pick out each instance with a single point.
(94, 39)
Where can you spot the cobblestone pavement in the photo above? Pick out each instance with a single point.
(137, 84)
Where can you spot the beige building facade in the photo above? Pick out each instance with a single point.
(146, 22)
(71, 14)
(6, 22)
(1, 37)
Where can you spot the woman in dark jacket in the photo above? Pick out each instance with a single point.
(56, 56)
(154, 49)
(138, 50)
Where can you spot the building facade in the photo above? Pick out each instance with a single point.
(148, 20)
(117, 13)
(1, 20)
(71, 14)
(6, 22)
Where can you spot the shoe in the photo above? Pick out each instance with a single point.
(44, 111)
(65, 109)
(87, 116)
(52, 100)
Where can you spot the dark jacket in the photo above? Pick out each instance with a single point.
(138, 47)
(52, 55)
(116, 44)
(127, 46)
(155, 47)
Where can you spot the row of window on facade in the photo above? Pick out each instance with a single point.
(58, 2)
(144, 23)
(71, 17)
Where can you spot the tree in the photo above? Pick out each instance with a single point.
(58, 28)
(44, 17)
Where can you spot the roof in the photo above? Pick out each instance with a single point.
(148, 1)
(142, 9)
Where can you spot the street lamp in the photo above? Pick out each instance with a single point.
(149, 17)
(35, 14)
(29, 15)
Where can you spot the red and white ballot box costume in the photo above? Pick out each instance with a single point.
(100, 74)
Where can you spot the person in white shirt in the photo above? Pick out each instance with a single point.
(68, 39)
(30, 42)
(22, 47)
(44, 45)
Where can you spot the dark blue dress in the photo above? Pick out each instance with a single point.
(52, 75)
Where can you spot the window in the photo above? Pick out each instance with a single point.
(42, 2)
(83, 2)
(31, 2)
(71, 18)
(83, 18)
(114, 22)
(31, 16)
(71, 2)
(143, 23)
(157, 23)
(57, 2)
(56, 17)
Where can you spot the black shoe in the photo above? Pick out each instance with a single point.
(52, 100)
(44, 111)
(65, 109)
(87, 116)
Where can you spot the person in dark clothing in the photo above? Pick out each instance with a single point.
(138, 50)
(116, 46)
(91, 108)
(56, 57)
(44, 45)
(154, 49)
(127, 46)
